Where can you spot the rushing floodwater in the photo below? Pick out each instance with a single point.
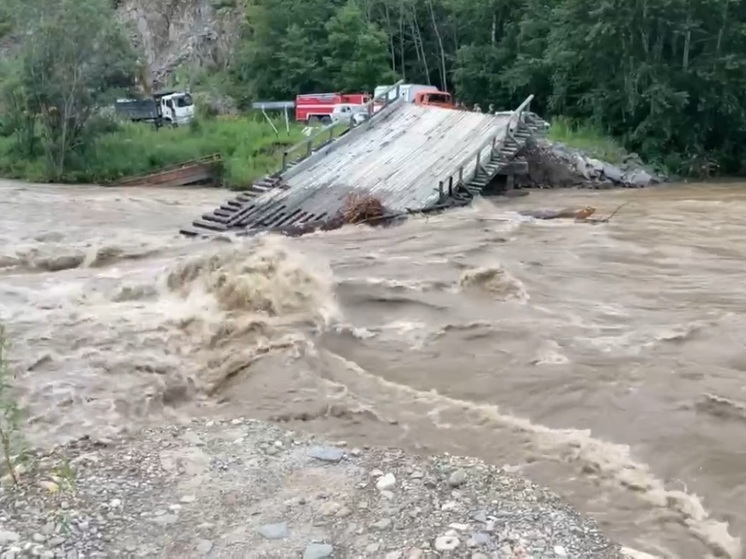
(604, 361)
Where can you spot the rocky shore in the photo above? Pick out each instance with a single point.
(555, 165)
(245, 488)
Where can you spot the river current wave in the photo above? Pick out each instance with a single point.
(605, 361)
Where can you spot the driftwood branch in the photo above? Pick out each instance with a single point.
(608, 218)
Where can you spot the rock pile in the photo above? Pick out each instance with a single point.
(554, 165)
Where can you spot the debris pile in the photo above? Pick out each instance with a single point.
(554, 165)
(358, 208)
(362, 208)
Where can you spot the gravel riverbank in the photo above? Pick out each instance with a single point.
(249, 489)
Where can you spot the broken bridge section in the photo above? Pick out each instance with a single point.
(411, 158)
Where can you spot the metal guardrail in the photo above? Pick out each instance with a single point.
(344, 125)
(496, 141)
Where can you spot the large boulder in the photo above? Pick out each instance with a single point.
(639, 178)
(613, 173)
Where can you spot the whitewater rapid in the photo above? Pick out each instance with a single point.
(604, 361)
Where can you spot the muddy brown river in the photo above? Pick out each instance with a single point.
(607, 362)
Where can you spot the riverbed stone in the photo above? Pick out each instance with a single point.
(446, 543)
(385, 482)
(381, 525)
(318, 551)
(204, 546)
(457, 478)
(274, 531)
(6, 537)
(327, 453)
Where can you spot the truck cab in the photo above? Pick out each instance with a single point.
(407, 91)
(434, 99)
(175, 107)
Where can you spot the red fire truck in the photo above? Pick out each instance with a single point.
(317, 107)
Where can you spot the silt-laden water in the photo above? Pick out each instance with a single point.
(606, 362)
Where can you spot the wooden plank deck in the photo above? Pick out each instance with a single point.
(400, 160)
(399, 157)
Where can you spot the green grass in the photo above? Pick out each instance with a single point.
(587, 138)
(249, 148)
(9, 414)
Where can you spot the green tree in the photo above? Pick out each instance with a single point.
(18, 121)
(73, 54)
(282, 51)
(357, 56)
(664, 75)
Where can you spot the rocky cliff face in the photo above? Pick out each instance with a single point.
(169, 34)
(175, 33)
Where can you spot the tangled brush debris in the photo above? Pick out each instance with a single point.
(357, 209)
(362, 208)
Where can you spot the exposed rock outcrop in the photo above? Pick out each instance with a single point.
(172, 34)
(182, 33)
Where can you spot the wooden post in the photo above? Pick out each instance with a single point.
(331, 133)
(510, 182)
(309, 148)
(479, 162)
(461, 175)
(450, 185)
(272, 124)
(284, 161)
(440, 192)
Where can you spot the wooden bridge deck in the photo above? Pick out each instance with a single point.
(400, 157)
(399, 160)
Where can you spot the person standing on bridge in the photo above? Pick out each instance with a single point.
(491, 109)
(477, 108)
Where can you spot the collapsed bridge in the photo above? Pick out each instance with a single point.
(411, 158)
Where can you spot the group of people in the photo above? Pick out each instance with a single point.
(476, 108)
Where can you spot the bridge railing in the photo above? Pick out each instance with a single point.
(494, 143)
(330, 132)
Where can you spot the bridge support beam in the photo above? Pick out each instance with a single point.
(514, 168)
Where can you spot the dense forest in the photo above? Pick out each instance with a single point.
(665, 77)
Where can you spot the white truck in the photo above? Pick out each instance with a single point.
(407, 91)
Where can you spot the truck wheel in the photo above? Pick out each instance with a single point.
(326, 119)
(313, 120)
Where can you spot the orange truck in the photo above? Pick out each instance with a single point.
(434, 99)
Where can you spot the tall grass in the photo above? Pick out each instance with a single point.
(249, 149)
(588, 138)
(9, 412)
